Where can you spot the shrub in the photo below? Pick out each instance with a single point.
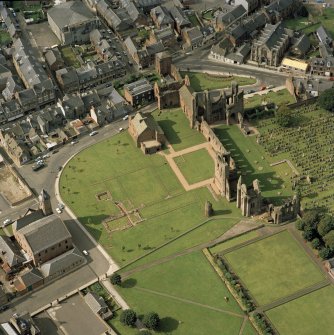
(151, 320)
(116, 279)
(128, 317)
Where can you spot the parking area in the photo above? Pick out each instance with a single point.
(75, 317)
(43, 35)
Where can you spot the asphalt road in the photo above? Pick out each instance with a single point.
(45, 178)
(199, 61)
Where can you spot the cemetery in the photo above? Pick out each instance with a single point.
(308, 146)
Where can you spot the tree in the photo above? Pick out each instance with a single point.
(303, 11)
(284, 117)
(326, 224)
(309, 233)
(128, 317)
(151, 320)
(316, 243)
(326, 100)
(116, 279)
(329, 240)
(325, 253)
(311, 218)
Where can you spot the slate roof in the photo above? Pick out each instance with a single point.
(142, 122)
(62, 262)
(323, 36)
(131, 9)
(279, 5)
(138, 87)
(27, 219)
(302, 44)
(31, 277)
(10, 252)
(95, 302)
(179, 17)
(162, 15)
(232, 15)
(271, 36)
(70, 13)
(45, 232)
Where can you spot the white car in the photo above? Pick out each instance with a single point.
(85, 252)
(7, 222)
(46, 156)
(125, 117)
(74, 142)
(120, 129)
(93, 133)
(58, 210)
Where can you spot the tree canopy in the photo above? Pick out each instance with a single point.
(151, 320)
(128, 317)
(284, 117)
(116, 279)
(326, 100)
(325, 225)
(329, 239)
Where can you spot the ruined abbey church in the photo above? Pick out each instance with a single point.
(202, 109)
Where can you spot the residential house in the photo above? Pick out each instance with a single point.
(193, 37)
(11, 257)
(67, 79)
(145, 56)
(98, 305)
(322, 66)
(101, 45)
(43, 239)
(139, 92)
(324, 37)
(180, 20)
(146, 133)
(72, 22)
(147, 5)
(54, 59)
(279, 10)
(164, 35)
(224, 20)
(118, 19)
(230, 54)
(72, 106)
(249, 5)
(136, 15)
(270, 47)
(161, 17)
(27, 280)
(300, 45)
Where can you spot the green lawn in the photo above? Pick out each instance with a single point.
(254, 163)
(249, 329)
(147, 183)
(196, 166)
(274, 267)
(181, 299)
(297, 23)
(233, 242)
(177, 129)
(203, 81)
(308, 315)
(327, 20)
(69, 57)
(4, 37)
(279, 98)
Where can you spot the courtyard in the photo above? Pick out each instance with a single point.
(274, 267)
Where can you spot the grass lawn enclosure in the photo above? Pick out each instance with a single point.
(203, 81)
(274, 267)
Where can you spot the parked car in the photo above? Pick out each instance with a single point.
(4, 308)
(46, 156)
(58, 210)
(61, 206)
(7, 222)
(85, 252)
(125, 117)
(59, 168)
(94, 132)
(74, 142)
(120, 129)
